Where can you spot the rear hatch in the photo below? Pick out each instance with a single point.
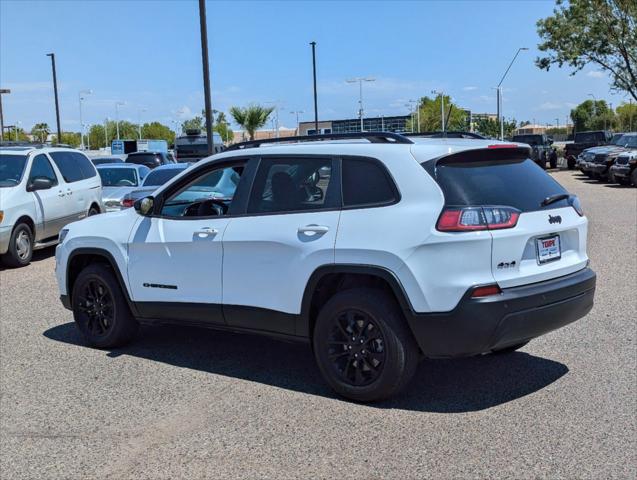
(537, 232)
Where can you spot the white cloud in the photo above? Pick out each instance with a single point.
(596, 74)
(470, 88)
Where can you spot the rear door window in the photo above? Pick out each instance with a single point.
(518, 183)
(84, 164)
(68, 166)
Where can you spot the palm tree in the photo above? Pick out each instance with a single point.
(251, 117)
(41, 131)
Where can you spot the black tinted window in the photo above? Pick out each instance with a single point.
(292, 184)
(514, 183)
(41, 167)
(68, 166)
(85, 165)
(159, 177)
(365, 182)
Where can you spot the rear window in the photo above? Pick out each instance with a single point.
(159, 177)
(144, 159)
(529, 139)
(513, 183)
(589, 137)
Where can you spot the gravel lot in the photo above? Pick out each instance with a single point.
(189, 403)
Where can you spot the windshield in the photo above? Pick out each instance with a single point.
(11, 169)
(159, 177)
(530, 139)
(118, 177)
(631, 141)
(513, 183)
(589, 137)
(618, 139)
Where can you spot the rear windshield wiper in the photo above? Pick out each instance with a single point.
(554, 198)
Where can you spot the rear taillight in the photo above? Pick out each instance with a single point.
(486, 291)
(127, 202)
(477, 218)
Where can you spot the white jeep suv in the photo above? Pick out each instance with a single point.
(375, 248)
(41, 190)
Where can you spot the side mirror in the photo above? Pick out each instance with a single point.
(39, 183)
(144, 206)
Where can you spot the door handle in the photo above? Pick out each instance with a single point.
(61, 193)
(206, 232)
(69, 192)
(314, 229)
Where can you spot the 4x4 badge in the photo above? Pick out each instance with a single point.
(555, 219)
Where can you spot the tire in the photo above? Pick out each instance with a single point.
(379, 358)
(100, 309)
(570, 162)
(20, 249)
(510, 349)
(92, 211)
(611, 177)
(633, 177)
(553, 160)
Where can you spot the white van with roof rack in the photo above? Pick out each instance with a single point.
(375, 248)
(41, 190)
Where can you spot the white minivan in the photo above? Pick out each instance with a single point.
(41, 190)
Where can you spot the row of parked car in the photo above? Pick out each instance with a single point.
(42, 189)
(614, 163)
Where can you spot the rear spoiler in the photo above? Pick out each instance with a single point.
(493, 153)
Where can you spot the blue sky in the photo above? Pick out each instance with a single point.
(147, 54)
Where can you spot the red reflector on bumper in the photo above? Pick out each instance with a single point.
(486, 291)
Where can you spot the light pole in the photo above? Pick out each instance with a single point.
(106, 132)
(203, 28)
(417, 103)
(297, 113)
(315, 96)
(81, 98)
(442, 108)
(88, 135)
(276, 104)
(117, 105)
(139, 118)
(3, 91)
(18, 122)
(55, 90)
(360, 81)
(499, 88)
(594, 104)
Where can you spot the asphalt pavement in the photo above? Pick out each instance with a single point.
(191, 403)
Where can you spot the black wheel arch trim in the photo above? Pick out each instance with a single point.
(100, 252)
(303, 327)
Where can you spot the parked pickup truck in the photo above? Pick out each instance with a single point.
(582, 141)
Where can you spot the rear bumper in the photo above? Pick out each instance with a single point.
(479, 325)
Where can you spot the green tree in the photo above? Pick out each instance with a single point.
(592, 115)
(491, 127)
(251, 118)
(16, 134)
(600, 32)
(626, 119)
(40, 131)
(71, 139)
(158, 131)
(430, 118)
(196, 123)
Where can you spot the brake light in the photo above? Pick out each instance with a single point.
(503, 145)
(486, 291)
(127, 202)
(477, 218)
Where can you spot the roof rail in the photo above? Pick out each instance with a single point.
(451, 134)
(373, 137)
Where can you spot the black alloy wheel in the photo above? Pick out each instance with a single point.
(96, 308)
(356, 348)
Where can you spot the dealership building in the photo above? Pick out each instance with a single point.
(351, 125)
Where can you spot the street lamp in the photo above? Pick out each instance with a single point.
(18, 122)
(117, 105)
(106, 120)
(297, 113)
(360, 81)
(442, 108)
(81, 98)
(499, 88)
(417, 103)
(139, 123)
(88, 135)
(2, 91)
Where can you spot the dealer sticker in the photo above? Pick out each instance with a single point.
(548, 249)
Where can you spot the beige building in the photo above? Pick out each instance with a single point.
(241, 136)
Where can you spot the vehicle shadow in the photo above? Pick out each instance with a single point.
(440, 386)
(38, 256)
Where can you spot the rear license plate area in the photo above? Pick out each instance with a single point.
(548, 249)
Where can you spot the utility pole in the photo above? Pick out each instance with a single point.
(297, 113)
(316, 129)
(55, 90)
(499, 87)
(3, 91)
(206, 73)
(360, 80)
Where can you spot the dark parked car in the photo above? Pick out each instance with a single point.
(150, 159)
(623, 169)
(582, 141)
(542, 149)
(103, 160)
